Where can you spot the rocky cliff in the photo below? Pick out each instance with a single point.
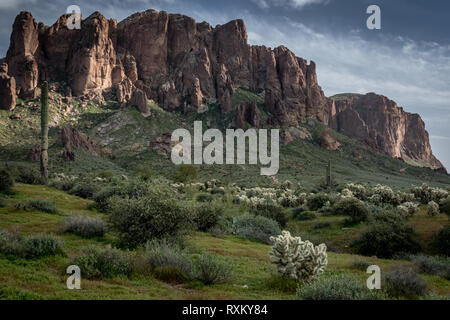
(379, 122)
(182, 64)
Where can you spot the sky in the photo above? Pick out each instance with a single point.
(407, 60)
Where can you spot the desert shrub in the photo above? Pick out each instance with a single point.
(168, 261)
(296, 259)
(38, 205)
(384, 240)
(404, 283)
(271, 210)
(354, 208)
(185, 173)
(6, 181)
(444, 206)
(383, 194)
(84, 226)
(432, 208)
(317, 201)
(297, 211)
(321, 225)
(26, 174)
(441, 241)
(279, 283)
(207, 215)
(337, 287)
(204, 197)
(132, 189)
(31, 246)
(2, 201)
(361, 264)
(358, 190)
(211, 269)
(434, 265)
(388, 216)
(306, 215)
(103, 263)
(157, 215)
(255, 228)
(218, 190)
(84, 190)
(144, 172)
(407, 209)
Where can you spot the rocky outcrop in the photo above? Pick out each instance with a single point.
(248, 112)
(384, 126)
(170, 58)
(327, 141)
(185, 65)
(7, 89)
(71, 138)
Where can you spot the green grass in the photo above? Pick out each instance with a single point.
(45, 278)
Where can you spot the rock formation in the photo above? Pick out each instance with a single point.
(7, 89)
(384, 126)
(185, 65)
(71, 138)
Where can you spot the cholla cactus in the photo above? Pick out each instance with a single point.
(386, 194)
(358, 190)
(346, 193)
(432, 208)
(407, 209)
(297, 259)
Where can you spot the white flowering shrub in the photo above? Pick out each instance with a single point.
(438, 194)
(404, 197)
(346, 193)
(407, 209)
(358, 190)
(432, 208)
(386, 194)
(296, 259)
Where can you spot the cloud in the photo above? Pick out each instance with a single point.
(14, 4)
(265, 4)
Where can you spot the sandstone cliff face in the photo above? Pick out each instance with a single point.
(182, 64)
(170, 58)
(7, 89)
(383, 125)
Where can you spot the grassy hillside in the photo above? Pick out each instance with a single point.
(127, 134)
(254, 275)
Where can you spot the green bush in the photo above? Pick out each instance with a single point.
(444, 206)
(84, 226)
(361, 264)
(384, 240)
(256, 228)
(389, 217)
(207, 215)
(439, 266)
(204, 197)
(441, 242)
(26, 174)
(185, 173)
(271, 210)
(84, 190)
(168, 262)
(306, 215)
(317, 201)
(211, 269)
(38, 205)
(404, 283)
(354, 208)
(322, 225)
(103, 263)
(337, 287)
(31, 246)
(159, 214)
(218, 190)
(6, 181)
(144, 172)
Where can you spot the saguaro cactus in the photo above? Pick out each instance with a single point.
(44, 132)
(329, 174)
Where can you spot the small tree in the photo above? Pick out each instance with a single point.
(185, 173)
(44, 132)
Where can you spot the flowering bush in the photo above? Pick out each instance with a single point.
(296, 259)
(407, 209)
(432, 208)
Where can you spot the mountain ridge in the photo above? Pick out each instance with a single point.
(189, 66)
